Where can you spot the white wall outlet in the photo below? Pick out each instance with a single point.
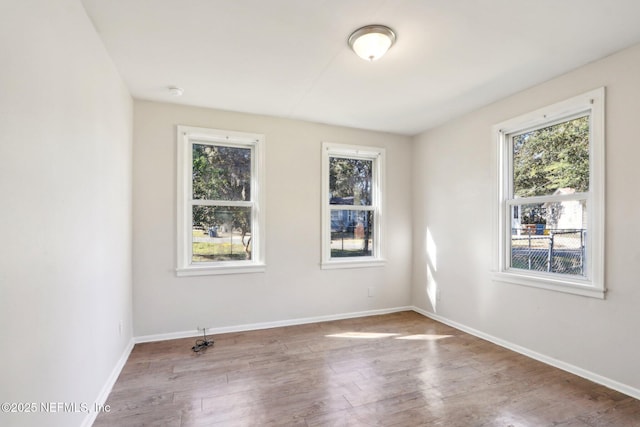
(120, 328)
(372, 292)
(438, 295)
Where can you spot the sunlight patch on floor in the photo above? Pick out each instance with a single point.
(365, 335)
(375, 335)
(424, 337)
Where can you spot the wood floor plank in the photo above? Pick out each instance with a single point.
(400, 369)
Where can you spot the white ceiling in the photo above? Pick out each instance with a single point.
(289, 58)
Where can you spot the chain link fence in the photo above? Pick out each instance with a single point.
(553, 250)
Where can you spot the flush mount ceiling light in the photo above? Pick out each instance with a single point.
(372, 41)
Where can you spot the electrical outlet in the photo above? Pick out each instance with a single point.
(120, 328)
(372, 292)
(438, 295)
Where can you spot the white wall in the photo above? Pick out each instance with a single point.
(453, 179)
(293, 286)
(65, 220)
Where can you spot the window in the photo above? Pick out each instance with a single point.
(220, 202)
(551, 197)
(351, 206)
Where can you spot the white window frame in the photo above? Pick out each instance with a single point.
(377, 155)
(592, 285)
(186, 137)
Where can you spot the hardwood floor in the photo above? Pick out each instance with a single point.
(399, 369)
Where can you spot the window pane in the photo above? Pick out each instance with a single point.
(350, 181)
(549, 237)
(221, 233)
(351, 233)
(552, 160)
(221, 173)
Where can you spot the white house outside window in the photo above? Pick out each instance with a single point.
(352, 220)
(220, 201)
(551, 197)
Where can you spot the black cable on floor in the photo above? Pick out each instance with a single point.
(203, 343)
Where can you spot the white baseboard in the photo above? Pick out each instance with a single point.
(106, 389)
(268, 325)
(607, 382)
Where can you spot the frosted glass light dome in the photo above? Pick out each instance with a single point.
(372, 41)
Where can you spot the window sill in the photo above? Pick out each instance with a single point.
(552, 282)
(350, 263)
(209, 270)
